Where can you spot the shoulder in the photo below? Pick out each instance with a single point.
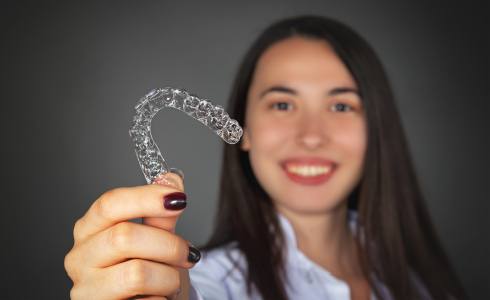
(221, 262)
(220, 274)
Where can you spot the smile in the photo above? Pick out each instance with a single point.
(309, 171)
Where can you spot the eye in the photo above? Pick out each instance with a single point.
(285, 106)
(341, 107)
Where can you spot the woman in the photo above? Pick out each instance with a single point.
(320, 200)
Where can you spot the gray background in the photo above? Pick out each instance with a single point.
(71, 73)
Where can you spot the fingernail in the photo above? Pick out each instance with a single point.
(194, 255)
(175, 201)
(178, 172)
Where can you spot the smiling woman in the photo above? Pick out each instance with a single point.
(313, 136)
(320, 201)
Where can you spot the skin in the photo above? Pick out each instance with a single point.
(113, 258)
(303, 102)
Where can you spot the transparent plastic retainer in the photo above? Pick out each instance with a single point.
(149, 156)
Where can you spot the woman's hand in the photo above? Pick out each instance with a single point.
(113, 258)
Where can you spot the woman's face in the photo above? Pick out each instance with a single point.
(305, 129)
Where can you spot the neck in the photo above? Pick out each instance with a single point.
(326, 239)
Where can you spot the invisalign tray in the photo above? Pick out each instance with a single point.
(149, 156)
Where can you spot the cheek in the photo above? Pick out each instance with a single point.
(267, 140)
(353, 139)
(267, 137)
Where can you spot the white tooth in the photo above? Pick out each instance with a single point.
(312, 171)
(307, 170)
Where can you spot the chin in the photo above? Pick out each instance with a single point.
(315, 207)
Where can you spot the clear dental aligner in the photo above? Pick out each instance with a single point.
(149, 156)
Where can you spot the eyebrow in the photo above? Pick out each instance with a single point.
(287, 90)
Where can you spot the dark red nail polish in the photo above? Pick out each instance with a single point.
(194, 255)
(175, 201)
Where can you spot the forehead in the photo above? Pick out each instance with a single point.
(301, 60)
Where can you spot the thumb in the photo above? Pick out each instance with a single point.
(173, 179)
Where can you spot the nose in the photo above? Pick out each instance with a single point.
(312, 132)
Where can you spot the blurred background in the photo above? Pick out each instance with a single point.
(71, 73)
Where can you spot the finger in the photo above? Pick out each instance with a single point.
(148, 298)
(184, 286)
(128, 240)
(178, 172)
(138, 277)
(123, 204)
(174, 178)
(171, 179)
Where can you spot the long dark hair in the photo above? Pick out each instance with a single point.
(391, 210)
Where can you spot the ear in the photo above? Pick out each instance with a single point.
(245, 144)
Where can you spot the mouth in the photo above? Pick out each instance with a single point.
(308, 171)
